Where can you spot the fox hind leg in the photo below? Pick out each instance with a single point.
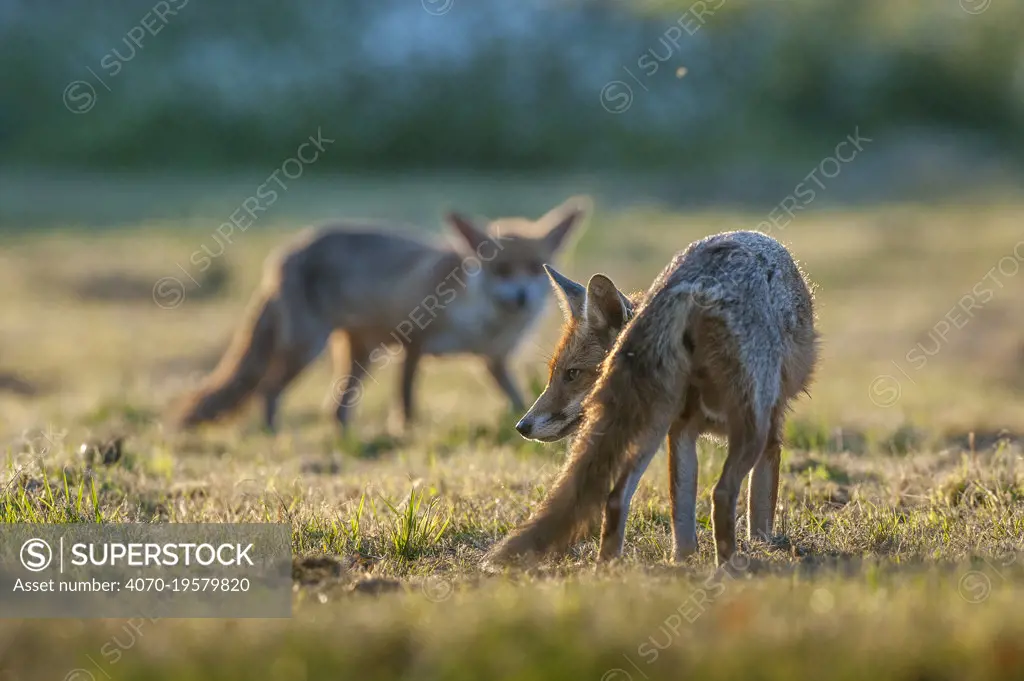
(746, 444)
(763, 489)
(347, 389)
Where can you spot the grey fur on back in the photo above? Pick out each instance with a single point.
(722, 267)
(751, 283)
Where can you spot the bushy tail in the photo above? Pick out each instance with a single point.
(637, 396)
(240, 370)
(579, 493)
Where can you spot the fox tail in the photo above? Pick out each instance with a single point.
(239, 371)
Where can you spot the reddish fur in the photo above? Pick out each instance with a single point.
(722, 342)
(239, 371)
(637, 391)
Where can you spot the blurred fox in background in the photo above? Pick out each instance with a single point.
(379, 292)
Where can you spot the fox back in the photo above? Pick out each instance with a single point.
(722, 271)
(749, 284)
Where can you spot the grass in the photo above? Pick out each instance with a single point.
(898, 529)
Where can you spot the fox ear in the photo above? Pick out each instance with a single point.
(571, 296)
(564, 219)
(465, 227)
(606, 307)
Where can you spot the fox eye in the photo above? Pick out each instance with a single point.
(572, 374)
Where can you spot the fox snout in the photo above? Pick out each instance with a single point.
(515, 297)
(519, 294)
(546, 427)
(525, 426)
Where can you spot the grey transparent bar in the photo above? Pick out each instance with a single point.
(166, 570)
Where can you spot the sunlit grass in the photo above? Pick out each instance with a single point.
(898, 526)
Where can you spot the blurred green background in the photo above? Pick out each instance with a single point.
(167, 118)
(532, 86)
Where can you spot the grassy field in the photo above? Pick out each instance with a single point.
(901, 509)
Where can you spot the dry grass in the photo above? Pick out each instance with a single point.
(896, 556)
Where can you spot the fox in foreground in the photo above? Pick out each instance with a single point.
(379, 293)
(720, 344)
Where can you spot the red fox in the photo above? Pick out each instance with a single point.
(375, 291)
(720, 344)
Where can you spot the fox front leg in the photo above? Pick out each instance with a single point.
(616, 509)
(413, 354)
(499, 371)
(682, 472)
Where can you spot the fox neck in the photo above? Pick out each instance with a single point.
(633, 301)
